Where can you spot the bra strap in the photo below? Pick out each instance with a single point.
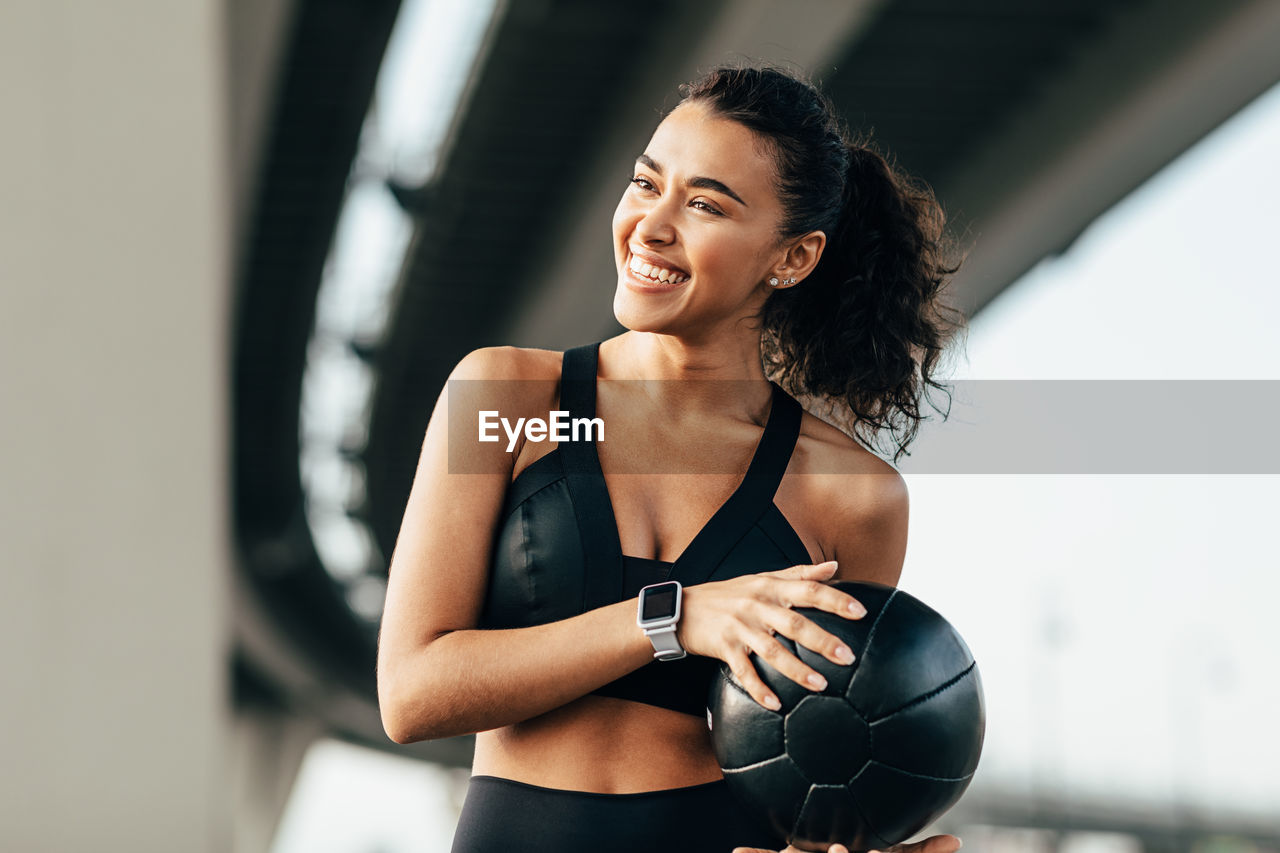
(753, 497)
(603, 576)
(578, 380)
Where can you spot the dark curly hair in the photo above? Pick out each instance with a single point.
(866, 329)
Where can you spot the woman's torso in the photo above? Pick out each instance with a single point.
(607, 744)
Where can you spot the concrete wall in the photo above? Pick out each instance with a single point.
(114, 300)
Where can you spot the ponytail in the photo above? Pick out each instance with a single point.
(863, 334)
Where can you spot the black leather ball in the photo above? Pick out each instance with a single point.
(889, 746)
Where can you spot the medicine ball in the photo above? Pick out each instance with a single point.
(882, 752)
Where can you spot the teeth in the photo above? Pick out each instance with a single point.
(655, 273)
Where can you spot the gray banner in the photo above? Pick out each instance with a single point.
(1103, 427)
(1137, 427)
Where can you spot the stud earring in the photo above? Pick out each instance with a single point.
(773, 281)
(791, 281)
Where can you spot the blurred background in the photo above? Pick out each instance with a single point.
(243, 242)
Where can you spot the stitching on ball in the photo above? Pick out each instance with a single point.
(800, 814)
(746, 767)
(732, 682)
(927, 696)
(866, 821)
(871, 635)
(922, 775)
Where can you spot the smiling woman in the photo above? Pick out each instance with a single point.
(675, 217)
(528, 604)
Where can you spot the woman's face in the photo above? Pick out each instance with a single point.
(702, 207)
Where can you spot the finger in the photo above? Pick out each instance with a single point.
(837, 848)
(789, 623)
(811, 593)
(816, 571)
(806, 632)
(767, 647)
(751, 850)
(746, 676)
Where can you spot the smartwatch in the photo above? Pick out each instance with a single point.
(658, 614)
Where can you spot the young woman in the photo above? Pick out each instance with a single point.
(752, 236)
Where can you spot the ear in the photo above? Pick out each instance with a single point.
(802, 255)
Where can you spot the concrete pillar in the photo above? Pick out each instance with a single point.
(114, 301)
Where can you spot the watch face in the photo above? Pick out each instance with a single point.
(659, 603)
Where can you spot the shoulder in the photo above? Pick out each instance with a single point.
(508, 363)
(518, 380)
(493, 385)
(860, 502)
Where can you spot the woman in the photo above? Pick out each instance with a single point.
(750, 225)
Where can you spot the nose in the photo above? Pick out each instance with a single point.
(656, 226)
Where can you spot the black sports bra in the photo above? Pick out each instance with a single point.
(557, 553)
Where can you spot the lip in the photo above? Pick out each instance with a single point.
(638, 282)
(657, 261)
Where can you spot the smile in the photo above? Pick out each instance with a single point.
(655, 274)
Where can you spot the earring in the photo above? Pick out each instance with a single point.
(791, 281)
(773, 281)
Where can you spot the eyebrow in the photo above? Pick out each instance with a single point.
(700, 183)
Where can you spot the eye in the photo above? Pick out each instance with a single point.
(642, 183)
(704, 206)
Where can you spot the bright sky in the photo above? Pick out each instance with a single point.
(1123, 624)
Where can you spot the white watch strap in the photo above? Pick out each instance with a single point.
(665, 644)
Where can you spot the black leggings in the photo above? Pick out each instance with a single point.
(505, 816)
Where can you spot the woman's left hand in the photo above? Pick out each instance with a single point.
(934, 844)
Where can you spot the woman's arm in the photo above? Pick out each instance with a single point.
(871, 541)
(437, 675)
(467, 681)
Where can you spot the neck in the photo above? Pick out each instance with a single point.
(694, 378)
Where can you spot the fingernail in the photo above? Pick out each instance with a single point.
(818, 681)
(844, 654)
(832, 563)
(772, 703)
(857, 609)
